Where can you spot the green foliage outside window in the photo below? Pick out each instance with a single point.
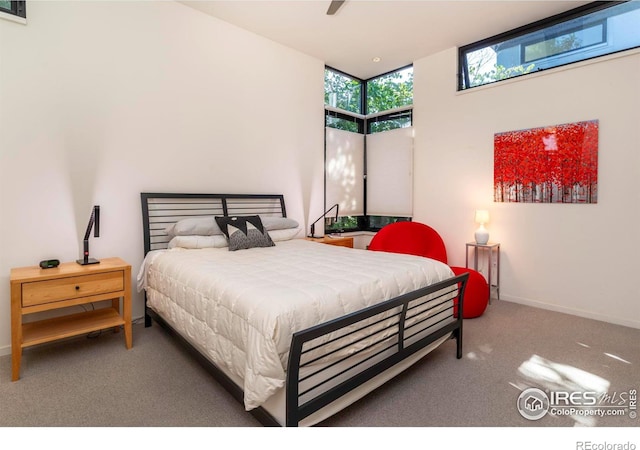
(345, 223)
(341, 91)
(391, 122)
(390, 91)
(342, 124)
(386, 92)
(497, 73)
(483, 68)
(550, 47)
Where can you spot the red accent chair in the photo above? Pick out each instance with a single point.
(416, 238)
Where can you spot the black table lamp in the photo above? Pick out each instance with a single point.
(313, 225)
(93, 220)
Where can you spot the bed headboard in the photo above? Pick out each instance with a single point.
(159, 210)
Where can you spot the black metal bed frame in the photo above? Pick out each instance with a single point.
(161, 210)
(388, 332)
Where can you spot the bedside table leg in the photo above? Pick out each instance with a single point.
(16, 356)
(16, 333)
(126, 309)
(128, 341)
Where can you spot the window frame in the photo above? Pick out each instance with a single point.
(463, 68)
(18, 9)
(364, 122)
(525, 44)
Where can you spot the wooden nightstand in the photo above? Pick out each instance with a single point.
(35, 290)
(342, 241)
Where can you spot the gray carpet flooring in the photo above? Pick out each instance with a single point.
(95, 382)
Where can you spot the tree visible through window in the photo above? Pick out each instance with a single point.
(390, 91)
(342, 91)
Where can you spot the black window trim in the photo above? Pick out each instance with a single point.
(18, 8)
(463, 69)
(399, 69)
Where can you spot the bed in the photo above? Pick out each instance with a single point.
(295, 330)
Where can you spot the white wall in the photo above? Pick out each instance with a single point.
(579, 259)
(100, 101)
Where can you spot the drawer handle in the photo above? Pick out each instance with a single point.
(77, 288)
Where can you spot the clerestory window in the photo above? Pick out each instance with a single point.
(593, 30)
(13, 8)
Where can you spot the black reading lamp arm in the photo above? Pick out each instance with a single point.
(313, 225)
(94, 224)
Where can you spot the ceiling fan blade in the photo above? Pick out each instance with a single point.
(334, 7)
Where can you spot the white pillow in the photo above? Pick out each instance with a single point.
(196, 226)
(191, 242)
(284, 235)
(278, 223)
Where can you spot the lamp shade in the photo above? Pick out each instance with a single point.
(482, 216)
(481, 234)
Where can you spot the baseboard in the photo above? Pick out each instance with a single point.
(571, 311)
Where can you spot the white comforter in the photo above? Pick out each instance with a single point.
(241, 308)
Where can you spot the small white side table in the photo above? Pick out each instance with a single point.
(492, 249)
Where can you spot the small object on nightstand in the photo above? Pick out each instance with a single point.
(493, 248)
(49, 263)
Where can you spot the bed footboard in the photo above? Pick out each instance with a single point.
(387, 334)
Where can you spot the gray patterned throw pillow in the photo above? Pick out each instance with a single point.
(244, 232)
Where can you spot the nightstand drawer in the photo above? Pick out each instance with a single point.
(49, 291)
(340, 242)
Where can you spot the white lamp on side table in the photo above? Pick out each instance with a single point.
(482, 235)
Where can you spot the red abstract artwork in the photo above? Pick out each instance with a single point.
(556, 164)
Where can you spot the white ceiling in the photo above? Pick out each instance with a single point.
(398, 32)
